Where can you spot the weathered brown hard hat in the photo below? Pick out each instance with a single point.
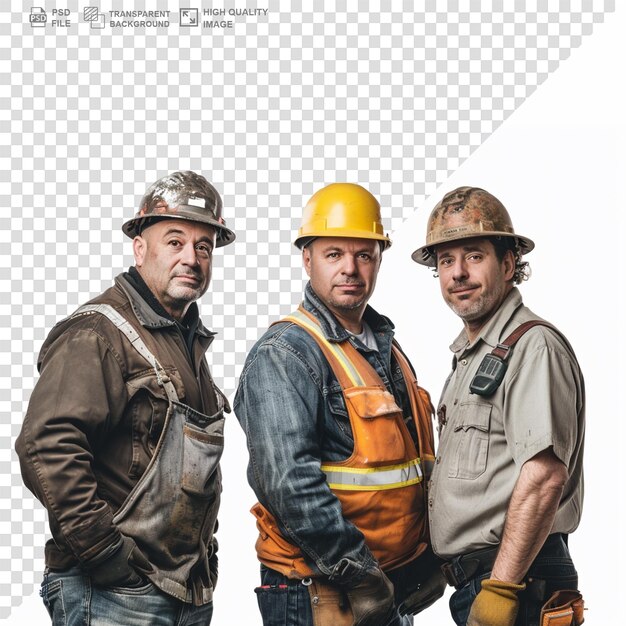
(464, 213)
(181, 195)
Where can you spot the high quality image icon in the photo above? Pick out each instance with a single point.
(188, 17)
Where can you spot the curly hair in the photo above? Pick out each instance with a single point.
(502, 245)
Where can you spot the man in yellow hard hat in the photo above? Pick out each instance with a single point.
(507, 487)
(340, 438)
(124, 430)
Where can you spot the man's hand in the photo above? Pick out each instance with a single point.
(125, 567)
(371, 600)
(496, 604)
(427, 593)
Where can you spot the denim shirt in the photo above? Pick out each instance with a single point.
(292, 409)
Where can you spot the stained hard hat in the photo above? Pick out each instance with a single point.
(342, 210)
(185, 196)
(464, 213)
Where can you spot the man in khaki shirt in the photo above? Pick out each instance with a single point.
(507, 486)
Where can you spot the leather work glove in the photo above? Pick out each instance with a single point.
(427, 593)
(122, 568)
(371, 599)
(496, 604)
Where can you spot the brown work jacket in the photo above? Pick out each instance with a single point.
(96, 414)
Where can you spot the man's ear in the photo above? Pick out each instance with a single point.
(139, 250)
(306, 260)
(509, 265)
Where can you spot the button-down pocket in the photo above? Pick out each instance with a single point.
(471, 436)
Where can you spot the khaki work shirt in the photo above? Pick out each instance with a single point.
(485, 440)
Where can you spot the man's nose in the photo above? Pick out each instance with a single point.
(460, 271)
(349, 265)
(189, 255)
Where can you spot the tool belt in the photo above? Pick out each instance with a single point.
(461, 569)
(564, 608)
(329, 604)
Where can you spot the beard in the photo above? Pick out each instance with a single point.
(186, 293)
(480, 308)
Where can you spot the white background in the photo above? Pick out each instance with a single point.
(558, 165)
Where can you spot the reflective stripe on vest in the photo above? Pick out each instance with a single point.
(352, 478)
(373, 478)
(351, 372)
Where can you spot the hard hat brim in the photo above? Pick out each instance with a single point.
(225, 236)
(305, 238)
(425, 255)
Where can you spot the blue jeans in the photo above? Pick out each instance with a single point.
(72, 600)
(286, 602)
(552, 570)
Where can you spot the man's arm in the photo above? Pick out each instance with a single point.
(529, 518)
(279, 403)
(77, 399)
(530, 515)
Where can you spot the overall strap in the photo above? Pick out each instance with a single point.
(125, 327)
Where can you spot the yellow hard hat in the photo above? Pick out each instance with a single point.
(464, 213)
(342, 210)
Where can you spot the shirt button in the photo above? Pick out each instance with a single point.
(438, 459)
(430, 502)
(456, 401)
(464, 362)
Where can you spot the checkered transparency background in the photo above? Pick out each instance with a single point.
(269, 111)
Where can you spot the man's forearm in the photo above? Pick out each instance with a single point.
(530, 515)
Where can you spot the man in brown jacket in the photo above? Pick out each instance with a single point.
(123, 435)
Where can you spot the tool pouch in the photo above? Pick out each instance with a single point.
(564, 608)
(329, 605)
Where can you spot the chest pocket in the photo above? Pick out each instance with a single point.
(377, 420)
(470, 441)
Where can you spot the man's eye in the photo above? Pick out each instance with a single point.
(174, 243)
(203, 249)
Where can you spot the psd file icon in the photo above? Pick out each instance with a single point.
(38, 17)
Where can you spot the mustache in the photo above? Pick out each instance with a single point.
(462, 285)
(191, 274)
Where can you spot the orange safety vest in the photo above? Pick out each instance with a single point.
(381, 486)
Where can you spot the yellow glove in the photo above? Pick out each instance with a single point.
(496, 604)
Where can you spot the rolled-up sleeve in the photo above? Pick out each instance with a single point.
(543, 403)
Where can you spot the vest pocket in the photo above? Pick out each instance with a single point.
(472, 441)
(376, 427)
(201, 455)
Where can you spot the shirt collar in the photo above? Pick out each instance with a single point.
(149, 311)
(332, 329)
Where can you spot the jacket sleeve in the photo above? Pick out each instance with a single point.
(279, 404)
(78, 398)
